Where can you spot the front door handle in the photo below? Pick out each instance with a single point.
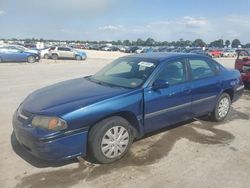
(218, 83)
(187, 90)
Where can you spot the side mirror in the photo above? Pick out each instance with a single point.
(159, 84)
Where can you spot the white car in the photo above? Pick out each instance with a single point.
(66, 53)
(229, 53)
(140, 50)
(45, 53)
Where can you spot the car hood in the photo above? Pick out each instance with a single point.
(69, 95)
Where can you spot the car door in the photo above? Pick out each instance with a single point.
(69, 53)
(206, 85)
(63, 52)
(170, 105)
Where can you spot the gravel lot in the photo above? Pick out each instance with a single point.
(196, 154)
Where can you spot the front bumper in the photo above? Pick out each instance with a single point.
(57, 148)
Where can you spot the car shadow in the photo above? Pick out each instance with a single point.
(145, 151)
(205, 124)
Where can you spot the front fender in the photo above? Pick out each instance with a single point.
(89, 115)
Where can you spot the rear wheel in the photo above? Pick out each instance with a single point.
(110, 139)
(54, 56)
(31, 59)
(222, 108)
(46, 56)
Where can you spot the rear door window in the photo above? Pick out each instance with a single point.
(201, 69)
(63, 49)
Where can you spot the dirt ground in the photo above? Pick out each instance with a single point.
(194, 154)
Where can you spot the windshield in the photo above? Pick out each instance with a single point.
(125, 72)
(243, 53)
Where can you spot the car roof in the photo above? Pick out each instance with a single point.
(162, 56)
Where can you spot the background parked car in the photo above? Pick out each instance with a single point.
(114, 49)
(201, 52)
(66, 53)
(215, 53)
(44, 53)
(131, 49)
(17, 56)
(19, 48)
(123, 48)
(242, 63)
(229, 53)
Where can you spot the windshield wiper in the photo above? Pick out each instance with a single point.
(99, 82)
(105, 83)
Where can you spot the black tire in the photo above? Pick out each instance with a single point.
(1, 60)
(46, 56)
(97, 134)
(78, 58)
(215, 116)
(31, 59)
(246, 84)
(54, 56)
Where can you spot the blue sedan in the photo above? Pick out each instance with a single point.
(101, 115)
(7, 55)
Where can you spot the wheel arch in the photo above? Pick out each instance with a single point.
(130, 117)
(30, 55)
(230, 92)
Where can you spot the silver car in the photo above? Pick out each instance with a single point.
(66, 53)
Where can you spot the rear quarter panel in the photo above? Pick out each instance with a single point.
(231, 80)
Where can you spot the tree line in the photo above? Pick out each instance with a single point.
(150, 42)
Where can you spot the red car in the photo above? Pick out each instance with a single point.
(215, 53)
(242, 63)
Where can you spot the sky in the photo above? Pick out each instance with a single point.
(163, 20)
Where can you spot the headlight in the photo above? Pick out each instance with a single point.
(50, 123)
(246, 68)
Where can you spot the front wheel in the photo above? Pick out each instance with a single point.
(78, 58)
(110, 139)
(31, 59)
(222, 108)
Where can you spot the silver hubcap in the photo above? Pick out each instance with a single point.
(31, 59)
(115, 141)
(223, 107)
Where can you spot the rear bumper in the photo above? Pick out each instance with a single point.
(238, 92)
(54, 149)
